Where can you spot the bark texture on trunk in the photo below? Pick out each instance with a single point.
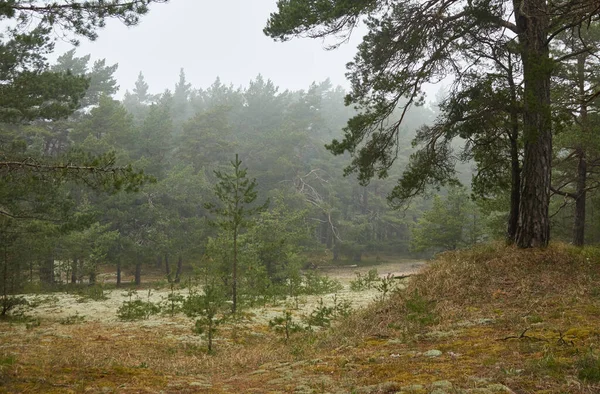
(74, 266)
(581, 193)
(138, 273)
(515, 164)
(582, 170)
(168, 268)
(119, 273)
(534, 224)
(179, 269)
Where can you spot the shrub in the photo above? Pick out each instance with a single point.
(285, 324)
(319, 284)
(589, 367)
(94, 293)
(137, 309)
(366, 282)
(8, 303)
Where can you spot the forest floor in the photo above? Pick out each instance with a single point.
(490, 320)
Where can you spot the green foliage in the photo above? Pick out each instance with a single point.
(588, 367)
(285, 324)
(451, 223)
(341, 309)
(386, 285)
(207, 308)
(236, 193)
(8, 303)
(321, 316)
(419, 310)
(91, 293)
(315, 283)
(137, 309)
(364, 282)
(72, 319)
(173, 304)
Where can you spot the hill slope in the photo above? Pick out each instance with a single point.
(491, 319)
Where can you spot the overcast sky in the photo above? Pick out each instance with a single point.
(213, 38)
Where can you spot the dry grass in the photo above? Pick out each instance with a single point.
(526, 319)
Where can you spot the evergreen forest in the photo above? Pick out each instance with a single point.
(238, 230)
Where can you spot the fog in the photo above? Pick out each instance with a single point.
(210, 39)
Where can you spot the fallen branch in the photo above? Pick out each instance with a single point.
(523, 336)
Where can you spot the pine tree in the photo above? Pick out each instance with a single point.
(235, 193)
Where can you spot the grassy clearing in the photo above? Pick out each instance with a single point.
(492, 318)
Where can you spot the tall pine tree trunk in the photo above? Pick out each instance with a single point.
(581, 188)
(581, 195)
(515, 192)
(515, 178)
(179, 269)
(138, 273)
(534, 222)
(74, 266)
(119, 272)
(234, 279)
(47, 270)
(168, 268)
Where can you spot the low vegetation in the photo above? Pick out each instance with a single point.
(491, 318)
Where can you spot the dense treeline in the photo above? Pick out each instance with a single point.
(181, 140)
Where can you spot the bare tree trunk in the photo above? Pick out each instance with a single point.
(119, 272)
(74, 265)
(179, 269)
(581, 189)
(581, 193)
(138, 273)
(234, 285)
(47, 270)
(168, 268)
(533, 24)
(515, 178)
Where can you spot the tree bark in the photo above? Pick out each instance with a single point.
(74, 265)
(179, 269)
(138, 273)
(119, 273)
(47, 270)
(168, 268)
(515, 179)
(581, 193)
(581, 188)
(234, 279)
(515, 193)
(533, 23)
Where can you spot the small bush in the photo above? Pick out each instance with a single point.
(92, 293)
(589, 368)
(173, 303)
(366, 282)
(319, 284)
(137, 310)
(285, 324)
(9, 303)
(386, 285)
(341, 308)
(321, 316)
(33, 323)
(419, 310)
(73, 319)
